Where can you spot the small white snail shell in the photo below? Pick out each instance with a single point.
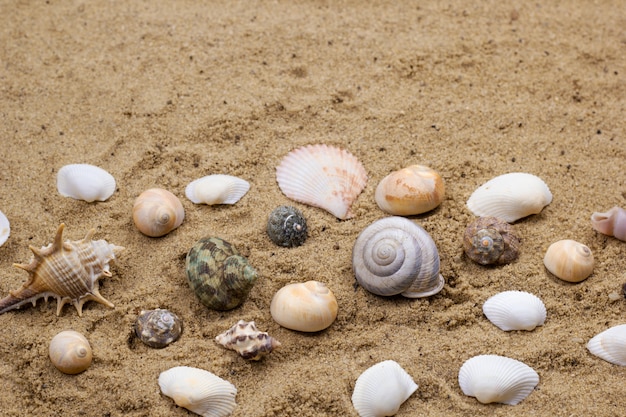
(157, 212)
(70, 352)
(569, 260)
(396, 256)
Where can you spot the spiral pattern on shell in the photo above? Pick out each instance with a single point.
(396, 256)
(70, 352)
(490, 240)
(157, 212)
(158, 328)
(286, 226)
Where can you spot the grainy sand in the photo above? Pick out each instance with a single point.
(162, 93)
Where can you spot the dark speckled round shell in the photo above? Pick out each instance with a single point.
(158, 328)
(219, 276)
(286, 226)
(489, 240)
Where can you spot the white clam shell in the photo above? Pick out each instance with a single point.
(217, 189)
(515, 310)
(85, 182)
(322, 176)
(199, 391)
(5, 228)
(497, 379)
(510, 197)
(307, 307)
(610, 345)
(381, 390)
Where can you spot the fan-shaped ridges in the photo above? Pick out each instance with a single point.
(493, 378)
(85, 182)
(515, 310)
(322, 176)
(610, 345)
(217, 189)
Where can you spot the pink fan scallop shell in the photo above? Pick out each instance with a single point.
(322, 176)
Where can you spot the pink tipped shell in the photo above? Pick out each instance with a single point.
(611, 223)
(322, 176)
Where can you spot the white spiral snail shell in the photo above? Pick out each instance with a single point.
(396, 256)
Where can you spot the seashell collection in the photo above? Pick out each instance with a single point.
(247, 340)
(70, 352)
(158, 328)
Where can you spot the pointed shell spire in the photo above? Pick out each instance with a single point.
(247, 340)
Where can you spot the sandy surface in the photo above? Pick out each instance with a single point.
(161, 94)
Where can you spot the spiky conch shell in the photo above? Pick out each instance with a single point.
(68, 271)
(247, 340)
(322, 176)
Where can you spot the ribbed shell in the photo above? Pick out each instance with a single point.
(497, 379)
(158, 328)
(611, 223)
(396, 256)
(510, 197)
(381, 390)
(68, 271)
(610, 345)
(199, 391)
(219, 276)
(515, 310)
(5, 228)
(322, 176)
(247, 340)
(217, 189)
(85, 182)
(489, 240)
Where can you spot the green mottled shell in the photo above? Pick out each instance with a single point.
(218, 275)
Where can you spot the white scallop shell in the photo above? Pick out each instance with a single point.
(381, 390)
(497, 379)
(510, 197)
(5, 228)
(85, 182)
(515, 310)
(610, 345)
(217, 189)
(322, 176)
(199, 391)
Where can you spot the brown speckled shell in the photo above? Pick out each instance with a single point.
(491, 241)
(158, 328)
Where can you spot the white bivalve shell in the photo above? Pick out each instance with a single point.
(217, 189)
(322, 176)
(610, 345)
(396, 256)
(381, 390)
(307, 307)
(510, 197)
(85, 182)
(515, 310)
(199, 391)
(5, 228)
(569, 260)
(497, 379)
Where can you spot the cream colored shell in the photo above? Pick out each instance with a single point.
(569, 260)
(247, 340)
(70, 352)
(515, 310)
(5, 228)
(157, 212)
(85, 182)
(610, 345)
(217, 189)
(306, 307)
(412, 190)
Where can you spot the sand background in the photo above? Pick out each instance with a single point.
(163, 93)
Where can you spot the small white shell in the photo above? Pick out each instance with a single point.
(70, 352)
(322, 176)
(497, 379)
(199, 391)
(510, 197)
(569, 260)
(610, 345)
(307, 307)
(85, 182)
(5, 228)
(515, 310)
(217, 189)
(381, 390)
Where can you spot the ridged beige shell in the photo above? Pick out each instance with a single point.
(396, 256)
(610, 345)
(157, 212)
(68, 271)
(510, 197)
(515, 310)
(199, 391)
(611, 223)
(85, 182)
(70, 352)
(569, 260)
(322, 176)
(5, 228)
(381, 390)
(497, 379)
(408, 191)
(217, 189)
(247, 340)
(306, 307)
